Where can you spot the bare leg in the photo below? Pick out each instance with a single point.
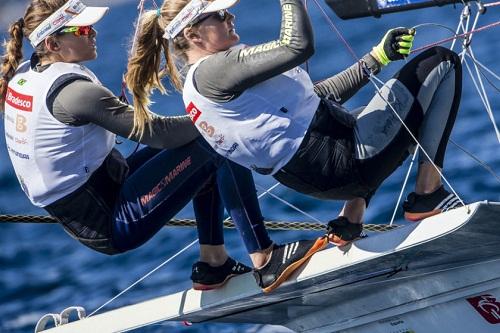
(214, 255)
(354, 210)
(261, 258)
(428, 179)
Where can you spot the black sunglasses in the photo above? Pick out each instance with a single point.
(220, 15)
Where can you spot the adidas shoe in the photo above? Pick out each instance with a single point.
(341, 232)
(285, 259)
(420, 206)
(206, 277)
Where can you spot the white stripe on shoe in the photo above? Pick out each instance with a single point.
(295, 247)
(444, 201)
(450, 203)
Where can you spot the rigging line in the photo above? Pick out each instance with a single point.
(430, 24)
(474, 25)
(140, 8)
(416, 141)
(371, 78)
(144, 277)
(492, 4)
(403, 187)
(485, 68)
(460, 25)
(463, 35)
(479, 161)
(339, 34)
(290, 205)
(482, 93)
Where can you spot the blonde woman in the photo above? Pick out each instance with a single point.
(60, 128)
(254, 106)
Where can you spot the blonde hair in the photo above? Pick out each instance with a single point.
(36, 13)
(144, 71)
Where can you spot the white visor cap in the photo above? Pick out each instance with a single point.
(217, 5)
(89, 16)
(72, 13)
(192, 11)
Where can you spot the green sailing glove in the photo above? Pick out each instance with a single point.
(395, 45)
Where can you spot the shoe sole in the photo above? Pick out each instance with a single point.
(339, 242)
(205, 287)
(415, 217)
(319, 245)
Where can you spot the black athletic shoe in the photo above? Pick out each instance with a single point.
(285, 259)
(341, 232)
(206, 277)
(421, 206)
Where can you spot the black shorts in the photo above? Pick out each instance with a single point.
(324, 166)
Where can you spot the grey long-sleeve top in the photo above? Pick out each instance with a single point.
(226, 75)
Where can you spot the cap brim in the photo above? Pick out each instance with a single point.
(89, 16)
(220, 5)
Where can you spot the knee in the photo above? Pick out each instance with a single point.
(443, 54)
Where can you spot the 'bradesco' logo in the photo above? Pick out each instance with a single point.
(19, 101)
(193, 112)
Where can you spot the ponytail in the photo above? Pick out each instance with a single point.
(11, 58)
(144, 72)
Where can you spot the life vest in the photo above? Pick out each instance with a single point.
(50, 159)
(263, 127)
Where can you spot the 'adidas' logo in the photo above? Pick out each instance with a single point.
(450, 202)
(290, 250)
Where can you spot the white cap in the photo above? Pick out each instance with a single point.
(192, 11)
(73, 13)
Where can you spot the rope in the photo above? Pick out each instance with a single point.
(463, 35)
(228, 224)
(144, 277)
(492, 4)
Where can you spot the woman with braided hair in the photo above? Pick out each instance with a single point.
(256, 107)
(60, 128)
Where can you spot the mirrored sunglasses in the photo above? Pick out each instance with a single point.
(219, 15)
(77, 31)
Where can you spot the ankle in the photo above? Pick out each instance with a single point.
(214, 255)
(427, 189)
(262, 257)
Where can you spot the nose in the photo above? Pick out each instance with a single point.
(230, 16)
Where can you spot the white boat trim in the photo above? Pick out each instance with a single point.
(412, 257)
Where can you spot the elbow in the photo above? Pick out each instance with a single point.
(304, 52)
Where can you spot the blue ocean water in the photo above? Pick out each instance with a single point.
(43, 270)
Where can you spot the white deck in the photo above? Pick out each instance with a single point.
(414, 278)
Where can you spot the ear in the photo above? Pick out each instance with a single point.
(52, 44)
(191, 35)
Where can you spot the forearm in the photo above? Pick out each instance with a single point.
(83, 102)
(345, 84)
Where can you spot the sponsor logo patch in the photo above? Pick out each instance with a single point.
(193, 112)
(210, 130)
(18, 154)
(44, 30)
(21, 124)
(232, 149)
(487, 306)
(19, 101)
(21, 82)
(165, 181)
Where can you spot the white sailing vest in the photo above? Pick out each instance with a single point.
(50, 159)
(261, 129)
